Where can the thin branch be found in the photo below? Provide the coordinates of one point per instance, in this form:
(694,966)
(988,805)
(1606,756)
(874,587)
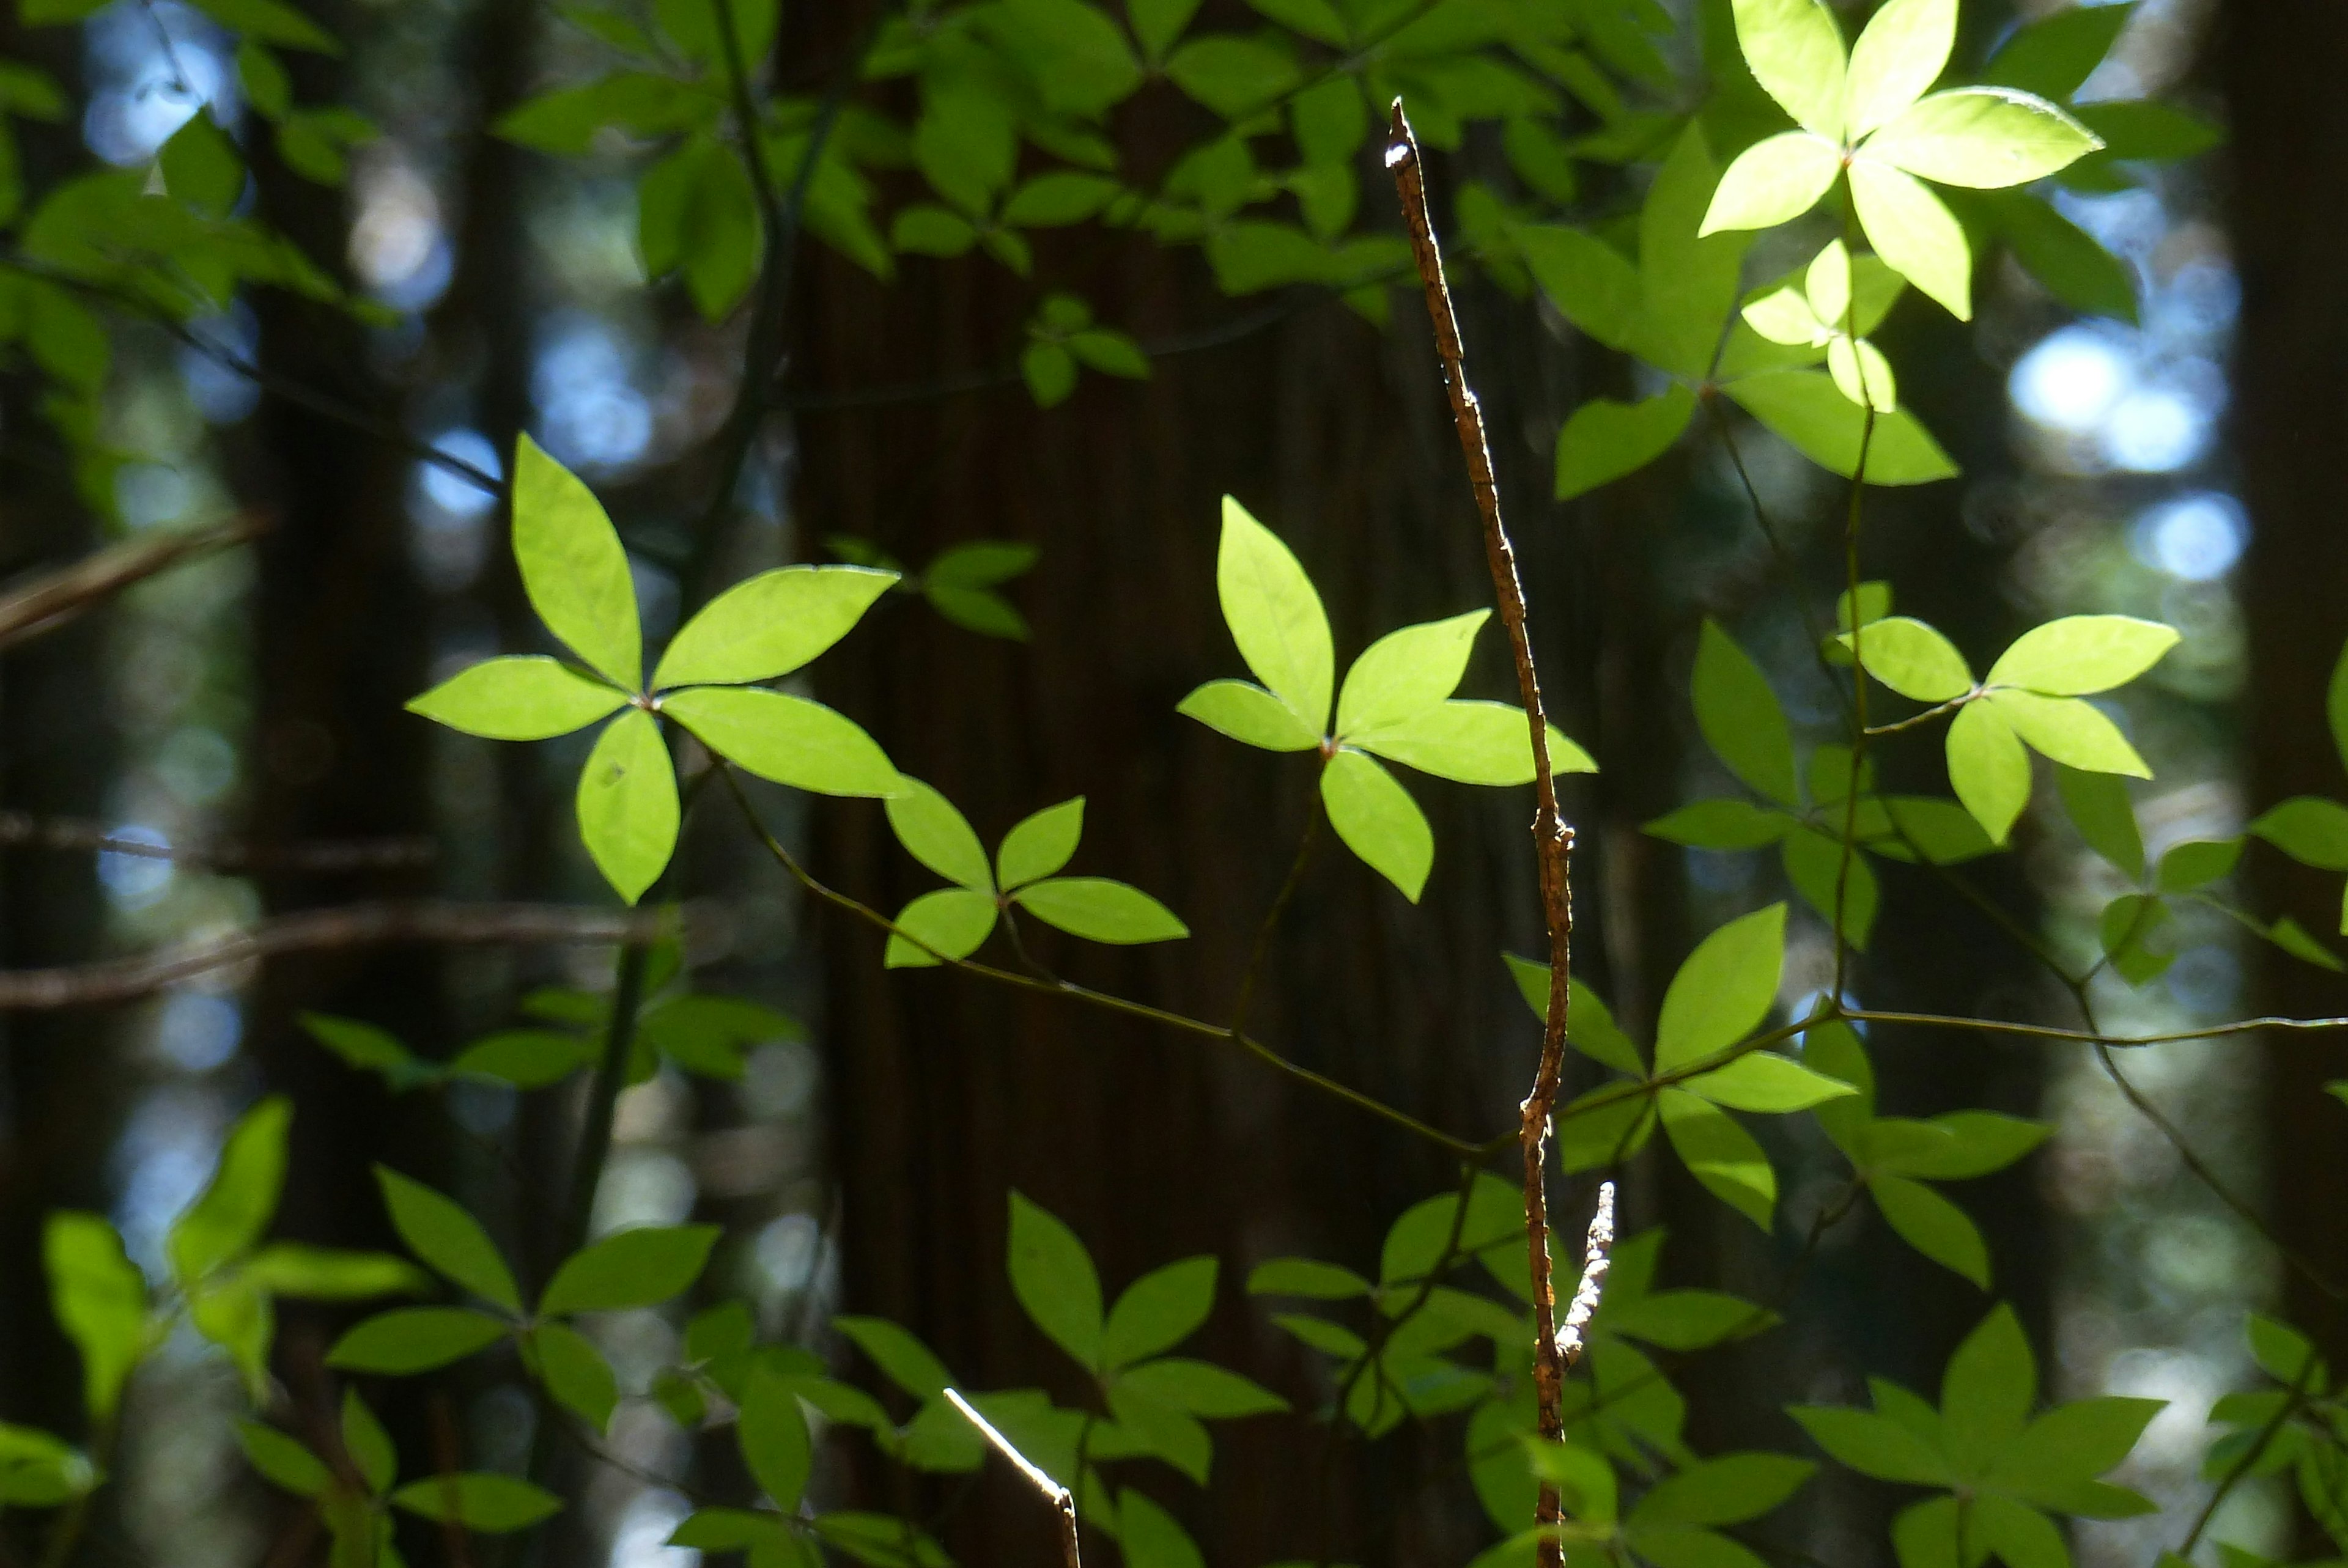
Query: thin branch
(1552,840)
(1262,950)
(1103,999)
(1859,732)
(43,603)
(1058,1496)
(347,926)
(21,830)
(2088,1036)
(2242,1468)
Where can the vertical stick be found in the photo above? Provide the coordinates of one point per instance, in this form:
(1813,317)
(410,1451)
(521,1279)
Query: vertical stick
(1552,839)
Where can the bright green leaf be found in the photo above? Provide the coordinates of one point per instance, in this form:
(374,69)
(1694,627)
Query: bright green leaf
(1406,672)
(572,566)
(233,1211)
(100,1300)
(1041,844)
(1275,616)
(1724,990)
(1796,53)
(1988,768)
(627,803)
(1809,412)
(520,699)
(787,739)
(1911,658)
(1720,1154)
(1604,439)
(936,832)
(1100,910)
(2072,731)
(2080,655)
(770,625)
(1248,714)
(1898,54)
(1773,181)
(1987,138)
(951,923)
(1763,1082)
(1378,820)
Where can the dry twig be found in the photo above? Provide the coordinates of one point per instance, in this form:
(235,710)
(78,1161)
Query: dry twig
(46,601)
(1552,840)
(1058,1496)
(346,926)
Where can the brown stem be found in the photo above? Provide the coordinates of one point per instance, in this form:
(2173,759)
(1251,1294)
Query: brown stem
(1552,840)
(346,926)
(43,603)
(22,830)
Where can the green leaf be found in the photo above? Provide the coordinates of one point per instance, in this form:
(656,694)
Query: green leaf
(936,834)
(367,1048)
(1840,890)
(1041,844)
(232,1211)
(572,566)
(1151,1537)
(2312,831)
(444,1234)
(1687,282)
(410,1339)
(1987,1389)
(1236,78)
(1100,910)
(907,1361)
(1765,1082)
(273,22)
(1910,658)
(1809,412)
(627,804)
(525,1058)
(1873,1445)
(642,1267)
(2072,1443)
(2053,56)
(1898,54)
(1726,823)
(575,1372)
(2072,731)
(1729,1490)
(1053,1277)
(1976,1142)
(1059,198)
(2098,806)
(1406,672)
(2065,258)
(2083,654)
(774,1438)
(1932,1226)
(770,625)
(2336,705)
(1249,714)
(1796,53)
(282,1461)
(1050,372)
(1378,820)
(497,1504)
(1724,990)
(2190,866)
(1987,138)
(1720,1154)
(1988,769)
(240,1318)
(100,1300)
(367,1444)
(1740,718)
(879,1540)
(1912,232)
(1158,1311)
(1588,281)
(1685,1319)
(1307,1277)
(952,922)
(1202,1390)
(1474,742)
(1927,1535)
(1275,616)
(1773,181)
(1604,439)
(330,1273)
(737,1530)
(787,739)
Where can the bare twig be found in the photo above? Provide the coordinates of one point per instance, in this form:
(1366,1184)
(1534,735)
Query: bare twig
(22,830)
(1596,1256)
(45,602)
(1058,1496)
(1552,840)
(347,926)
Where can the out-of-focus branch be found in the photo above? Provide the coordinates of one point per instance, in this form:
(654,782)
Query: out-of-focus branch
(21,830)
(347,926)
(45,602)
